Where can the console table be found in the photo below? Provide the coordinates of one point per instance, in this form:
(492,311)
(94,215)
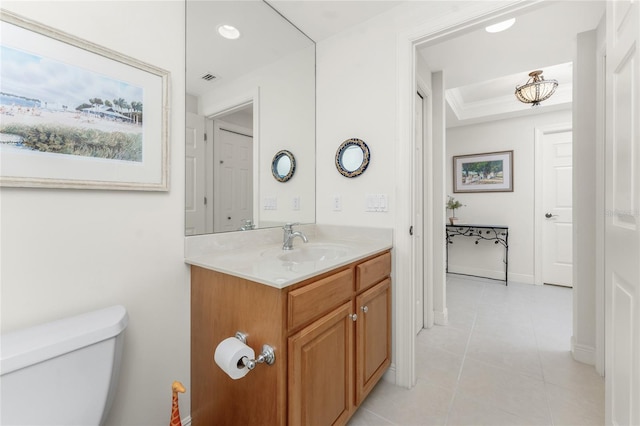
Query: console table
(485,233)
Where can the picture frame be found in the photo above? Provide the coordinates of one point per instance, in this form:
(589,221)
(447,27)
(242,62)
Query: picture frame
(486,172)
(77,115)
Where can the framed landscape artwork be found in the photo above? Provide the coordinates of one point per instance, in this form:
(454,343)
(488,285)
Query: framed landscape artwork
(489,172)
(77,115)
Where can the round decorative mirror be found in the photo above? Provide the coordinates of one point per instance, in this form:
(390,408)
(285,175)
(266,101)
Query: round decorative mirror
(283,165)
(352,158)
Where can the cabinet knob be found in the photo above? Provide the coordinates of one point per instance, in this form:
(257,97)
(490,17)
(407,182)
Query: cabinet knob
(353,317)
(365,309)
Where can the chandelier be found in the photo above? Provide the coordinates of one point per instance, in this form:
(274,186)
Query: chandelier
(536,89)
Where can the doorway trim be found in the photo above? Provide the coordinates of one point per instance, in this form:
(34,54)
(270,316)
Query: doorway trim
(219,127)
(426,227)
(540,133)
(430,32)
(228,106)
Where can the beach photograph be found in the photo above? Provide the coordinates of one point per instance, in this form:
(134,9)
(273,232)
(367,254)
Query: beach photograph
(47,106)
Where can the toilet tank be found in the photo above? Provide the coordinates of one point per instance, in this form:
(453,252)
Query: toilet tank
(63,372)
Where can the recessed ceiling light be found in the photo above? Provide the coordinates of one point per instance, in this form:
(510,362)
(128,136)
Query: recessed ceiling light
(500,26)
(228,31)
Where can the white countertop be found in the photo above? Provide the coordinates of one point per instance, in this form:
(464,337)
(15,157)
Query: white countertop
(256,255)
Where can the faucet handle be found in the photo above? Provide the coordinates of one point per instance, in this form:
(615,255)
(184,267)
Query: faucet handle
(289,226)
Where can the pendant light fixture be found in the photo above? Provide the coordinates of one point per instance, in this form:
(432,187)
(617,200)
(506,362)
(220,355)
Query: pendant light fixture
(536,89)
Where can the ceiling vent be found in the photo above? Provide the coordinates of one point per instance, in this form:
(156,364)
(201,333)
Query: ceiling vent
(208,77)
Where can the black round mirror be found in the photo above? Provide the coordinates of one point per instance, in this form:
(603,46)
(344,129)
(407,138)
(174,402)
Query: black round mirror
(283,165)
(352,157)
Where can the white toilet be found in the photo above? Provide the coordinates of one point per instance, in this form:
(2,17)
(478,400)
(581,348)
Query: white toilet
(63,372)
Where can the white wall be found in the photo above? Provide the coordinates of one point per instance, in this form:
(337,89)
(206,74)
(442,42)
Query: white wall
(191,103)
(513,209)
(65,252)
(584,197)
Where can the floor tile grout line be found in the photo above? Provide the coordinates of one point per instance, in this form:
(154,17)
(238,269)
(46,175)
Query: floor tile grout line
(464,357)
(381,417)
(532,314)
(500,367)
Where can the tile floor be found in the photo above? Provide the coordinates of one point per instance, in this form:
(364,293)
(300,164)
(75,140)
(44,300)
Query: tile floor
(503,360)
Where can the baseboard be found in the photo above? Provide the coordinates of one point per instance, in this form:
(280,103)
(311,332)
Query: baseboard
(390,375)
(441,317)
(186,421)
(521,278)
(491,273)
(583,353)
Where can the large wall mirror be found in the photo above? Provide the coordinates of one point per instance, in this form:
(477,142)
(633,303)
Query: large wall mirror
(247,98)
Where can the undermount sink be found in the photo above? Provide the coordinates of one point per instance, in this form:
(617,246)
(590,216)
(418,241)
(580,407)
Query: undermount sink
(309,253)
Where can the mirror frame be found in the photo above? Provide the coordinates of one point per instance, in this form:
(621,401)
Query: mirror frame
(274,165)
(366,157)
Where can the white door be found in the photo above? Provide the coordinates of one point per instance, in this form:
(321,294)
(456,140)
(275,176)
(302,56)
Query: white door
(418,214)
(233,176)
(557,227)
(195,205)
(622,218)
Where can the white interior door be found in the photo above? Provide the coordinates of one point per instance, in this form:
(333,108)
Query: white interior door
(195,205)
(622,221)
(557,227)
(233,176)
(418,242)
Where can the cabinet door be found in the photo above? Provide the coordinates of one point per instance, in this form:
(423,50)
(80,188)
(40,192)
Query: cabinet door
(373,335)
(321,370)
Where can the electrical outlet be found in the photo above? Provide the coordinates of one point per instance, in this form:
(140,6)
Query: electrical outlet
(337,203)
(296,203)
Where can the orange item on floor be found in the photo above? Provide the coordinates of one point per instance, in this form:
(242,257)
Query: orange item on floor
(175,409)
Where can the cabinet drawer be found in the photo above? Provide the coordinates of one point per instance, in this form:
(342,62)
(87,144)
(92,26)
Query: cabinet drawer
(311,301)
(373,271)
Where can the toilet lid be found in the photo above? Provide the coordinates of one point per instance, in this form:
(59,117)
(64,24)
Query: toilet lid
(41,342)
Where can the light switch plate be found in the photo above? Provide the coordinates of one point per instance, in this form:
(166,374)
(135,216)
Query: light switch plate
(270,203)
(376,203)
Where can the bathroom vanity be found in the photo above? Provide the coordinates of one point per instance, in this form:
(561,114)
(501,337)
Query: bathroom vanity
(325,307)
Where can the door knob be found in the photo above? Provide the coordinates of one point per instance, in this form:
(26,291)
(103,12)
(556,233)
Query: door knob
(549,215)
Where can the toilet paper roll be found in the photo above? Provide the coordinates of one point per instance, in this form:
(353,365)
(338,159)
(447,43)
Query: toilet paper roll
(229,354)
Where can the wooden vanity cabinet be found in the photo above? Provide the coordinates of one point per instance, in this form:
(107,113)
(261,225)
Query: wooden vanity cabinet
(373,346)
(332,339)
(321,370)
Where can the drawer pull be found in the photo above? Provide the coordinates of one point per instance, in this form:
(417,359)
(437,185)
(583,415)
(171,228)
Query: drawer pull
(353,317)
(365,309)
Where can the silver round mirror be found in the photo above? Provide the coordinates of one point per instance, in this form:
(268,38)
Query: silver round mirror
(283,165)
(352,157)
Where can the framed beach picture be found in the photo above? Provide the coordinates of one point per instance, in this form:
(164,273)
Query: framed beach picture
(489,172)
(77,115)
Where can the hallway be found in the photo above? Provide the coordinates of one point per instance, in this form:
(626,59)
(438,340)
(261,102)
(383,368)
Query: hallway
(503,360)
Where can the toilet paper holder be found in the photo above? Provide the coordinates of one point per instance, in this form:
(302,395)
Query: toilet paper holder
(267,356)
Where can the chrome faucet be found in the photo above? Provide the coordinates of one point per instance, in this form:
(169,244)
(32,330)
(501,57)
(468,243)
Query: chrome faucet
(290,234)
(247,224)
